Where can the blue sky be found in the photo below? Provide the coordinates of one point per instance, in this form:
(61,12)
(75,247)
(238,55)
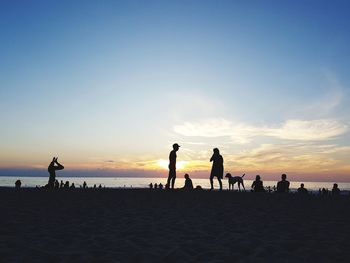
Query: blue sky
(112,84)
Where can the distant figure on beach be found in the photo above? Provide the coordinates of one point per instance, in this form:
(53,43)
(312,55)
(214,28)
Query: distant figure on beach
(61,184)
(172,167)
(324,191)
(302,190)
(84,185)
(188,183)
(155,186)
(150,186)
(66,185)
(335,190)
(72,186)
(52,171)
(160,186)
(283,185)
(18,184)
(257,185)
(217,169)
(100,186)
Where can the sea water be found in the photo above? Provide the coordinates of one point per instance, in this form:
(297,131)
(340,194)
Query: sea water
(127,182)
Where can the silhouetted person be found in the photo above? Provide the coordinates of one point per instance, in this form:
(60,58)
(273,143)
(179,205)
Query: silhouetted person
(84,185)
(302,190)
(324,191)
(66,185)
(335,190)
(18,184)
(188,183)
(95,186)
(283,185)
(100,186)
(72,186)
(150,186)
(217,169)
(61,184)
(172,167)
(53,167)
(57,184)
(155,186)
(160,186)
(257,185)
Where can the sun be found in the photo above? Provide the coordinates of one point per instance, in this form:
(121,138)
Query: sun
(164,164)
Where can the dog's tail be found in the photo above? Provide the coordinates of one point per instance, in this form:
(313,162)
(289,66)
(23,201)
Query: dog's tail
(243,175)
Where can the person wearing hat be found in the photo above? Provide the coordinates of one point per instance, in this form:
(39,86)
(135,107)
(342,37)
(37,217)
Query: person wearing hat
(217,169)
(172,166)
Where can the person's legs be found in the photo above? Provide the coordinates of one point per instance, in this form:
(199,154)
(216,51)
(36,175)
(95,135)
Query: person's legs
(173,180)
(220,183)
(211,182)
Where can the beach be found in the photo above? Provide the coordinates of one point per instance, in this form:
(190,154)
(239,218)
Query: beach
(143,225)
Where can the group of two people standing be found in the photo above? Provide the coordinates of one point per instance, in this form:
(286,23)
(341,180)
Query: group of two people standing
(217,169)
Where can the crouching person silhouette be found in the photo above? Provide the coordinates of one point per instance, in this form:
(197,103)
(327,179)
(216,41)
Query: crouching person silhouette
(53,167)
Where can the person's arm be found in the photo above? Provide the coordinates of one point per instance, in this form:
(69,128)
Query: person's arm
(59,166)
(212,158)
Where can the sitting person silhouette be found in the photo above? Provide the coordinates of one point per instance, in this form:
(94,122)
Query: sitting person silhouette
(335,190)
(84,185)
(52,171)
(302,189)
(283,185)
(257,185)
(188,183)
(57,184)
(160,186)
(18,184)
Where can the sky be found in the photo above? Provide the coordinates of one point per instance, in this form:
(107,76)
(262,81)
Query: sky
(109,86)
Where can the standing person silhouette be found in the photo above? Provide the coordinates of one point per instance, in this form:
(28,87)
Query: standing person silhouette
(172,166)
(217,169)
(52,171)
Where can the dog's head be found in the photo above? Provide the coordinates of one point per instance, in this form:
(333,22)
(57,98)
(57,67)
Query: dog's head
(228,175)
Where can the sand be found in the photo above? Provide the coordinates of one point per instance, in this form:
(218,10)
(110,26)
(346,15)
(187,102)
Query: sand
(112,225)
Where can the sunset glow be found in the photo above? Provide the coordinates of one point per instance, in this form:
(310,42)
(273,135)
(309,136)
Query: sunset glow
(109,87)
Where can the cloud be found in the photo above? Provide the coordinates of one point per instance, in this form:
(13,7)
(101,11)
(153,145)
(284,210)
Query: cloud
(299,130)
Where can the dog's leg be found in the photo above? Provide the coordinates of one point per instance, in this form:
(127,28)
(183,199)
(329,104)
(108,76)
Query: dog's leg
(243,186)
(239,186)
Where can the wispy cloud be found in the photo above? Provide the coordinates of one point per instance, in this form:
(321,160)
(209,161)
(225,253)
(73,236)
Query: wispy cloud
(299,130)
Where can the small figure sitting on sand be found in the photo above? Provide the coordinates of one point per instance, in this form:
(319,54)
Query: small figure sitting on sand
(150,186)
(66,185)
(283,186)
(335,190)
(324,191)
(84,185)
(18,184)
(188,183)
(257,185)
(160,186)
(302,190)
(100,186)
(72,186)
(52,171)
(217,169)
(155,186)
(61,184)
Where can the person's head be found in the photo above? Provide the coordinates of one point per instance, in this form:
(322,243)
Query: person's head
(257,178)
(335,185)
(176,146)
(284,177)
(302,185)
(216,151)
(187,176)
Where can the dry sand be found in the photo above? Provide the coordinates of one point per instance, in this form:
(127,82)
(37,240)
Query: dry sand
(161,226)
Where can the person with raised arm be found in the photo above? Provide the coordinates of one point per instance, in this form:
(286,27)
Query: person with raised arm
(53,167)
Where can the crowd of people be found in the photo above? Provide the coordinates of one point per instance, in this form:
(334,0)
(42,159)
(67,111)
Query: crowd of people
(217,171)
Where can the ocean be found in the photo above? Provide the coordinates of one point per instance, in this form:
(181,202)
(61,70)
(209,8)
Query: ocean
(127,182)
